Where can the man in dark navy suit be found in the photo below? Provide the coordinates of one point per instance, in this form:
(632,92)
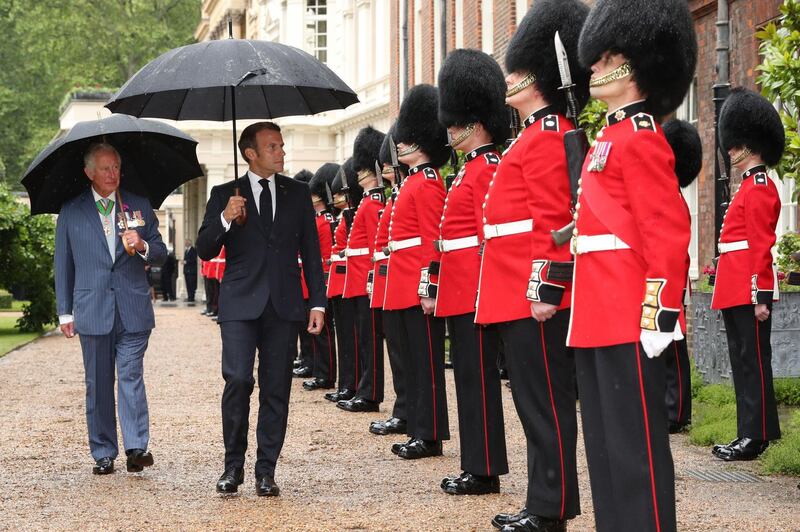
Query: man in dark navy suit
(261,300)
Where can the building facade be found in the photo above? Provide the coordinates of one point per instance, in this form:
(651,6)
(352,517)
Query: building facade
(423,31)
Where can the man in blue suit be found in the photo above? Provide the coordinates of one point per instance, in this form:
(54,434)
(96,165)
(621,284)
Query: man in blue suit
(261,300)
(103,296)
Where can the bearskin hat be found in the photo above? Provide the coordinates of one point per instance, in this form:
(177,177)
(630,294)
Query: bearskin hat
(417,124)
(748,119)
(366,148)
(472,88)
(304,176)
(384,156)
(656,36)
(325,174)
(351,176)
(685,142)
(532,49)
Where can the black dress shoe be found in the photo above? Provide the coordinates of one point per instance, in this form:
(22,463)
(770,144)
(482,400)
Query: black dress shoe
(501,520)
(303,372)
(138,459)
(744,449)
(676,428)
(451,478)
(535,523)
(317,384)
(358,404)
(719,446)
(341,395)
(469,484)
(504,374)
(396,447)
(392,425)
(230,480)
(103,466)
(421,449)
(296,363)
(266,487)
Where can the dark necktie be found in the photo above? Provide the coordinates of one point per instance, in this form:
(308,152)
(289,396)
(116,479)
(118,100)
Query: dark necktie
(265,205)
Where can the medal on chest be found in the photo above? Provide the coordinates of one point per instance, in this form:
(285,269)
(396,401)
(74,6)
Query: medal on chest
(133,220)
(107,225)
(599,157)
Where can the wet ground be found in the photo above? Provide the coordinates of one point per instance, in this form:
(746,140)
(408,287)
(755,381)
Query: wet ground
(333,474)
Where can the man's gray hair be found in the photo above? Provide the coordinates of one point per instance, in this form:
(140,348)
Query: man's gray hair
(94,149)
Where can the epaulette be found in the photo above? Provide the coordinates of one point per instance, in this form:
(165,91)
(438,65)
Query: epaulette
(643,121)
(760,179)
(492,158)
(430,173)
(329,217)
(550,123)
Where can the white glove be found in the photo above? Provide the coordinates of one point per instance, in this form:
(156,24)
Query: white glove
(655,342)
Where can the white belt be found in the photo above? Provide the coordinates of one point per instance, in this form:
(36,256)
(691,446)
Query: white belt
(356,252)
(397,245)
(455,244)
(336,258)
(590,243)
(510,228)
(727,247)
(379,255)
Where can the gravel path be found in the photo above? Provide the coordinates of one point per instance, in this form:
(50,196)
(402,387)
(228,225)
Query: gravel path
(333,474)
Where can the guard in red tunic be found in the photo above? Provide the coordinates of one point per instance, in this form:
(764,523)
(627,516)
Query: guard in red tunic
(472,107)
(630,241)
(416,212)
(376,288)
(687,148)
(324,344)
(745,286)
(304,363)
(528,198)
(360,247)
(343,309)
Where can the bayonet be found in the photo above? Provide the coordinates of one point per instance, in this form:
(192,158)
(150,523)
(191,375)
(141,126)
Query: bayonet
(723,176)
(379,175)
(329,194)
(566,80)
(398,176)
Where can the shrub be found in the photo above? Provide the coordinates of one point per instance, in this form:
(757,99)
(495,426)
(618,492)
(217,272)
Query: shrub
(783,456)
(787,391)
(5,299)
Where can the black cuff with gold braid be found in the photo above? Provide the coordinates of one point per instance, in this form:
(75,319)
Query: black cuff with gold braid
(655,316)
(758,296)
(539,290)
(427,287)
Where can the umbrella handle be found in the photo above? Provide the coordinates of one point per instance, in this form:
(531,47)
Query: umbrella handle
(242,218)
(128,249)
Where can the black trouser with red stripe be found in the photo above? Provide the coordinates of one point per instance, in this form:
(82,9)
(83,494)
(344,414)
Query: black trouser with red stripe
(473,350)
(751,364)
(541,370)
(427,397)
(369,327)
(325,348)
(344,315)
(626,437)
(397,345)
(678,396)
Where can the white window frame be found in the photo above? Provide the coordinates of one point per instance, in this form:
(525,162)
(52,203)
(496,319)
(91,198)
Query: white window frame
(688,111)
(487,26)
(312,22)
(459,23)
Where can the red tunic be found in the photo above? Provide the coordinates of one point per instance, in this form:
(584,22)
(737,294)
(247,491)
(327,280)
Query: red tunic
(463,217)
(338,265)
(415,214)
(380,267)
(531,183)
(218,265)
(746,276)
(362,240)
(629,189)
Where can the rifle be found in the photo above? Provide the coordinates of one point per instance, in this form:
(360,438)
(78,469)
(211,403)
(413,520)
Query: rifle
(514,125)
(576,144)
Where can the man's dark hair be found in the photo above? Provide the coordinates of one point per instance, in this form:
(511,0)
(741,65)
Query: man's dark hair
(248,138)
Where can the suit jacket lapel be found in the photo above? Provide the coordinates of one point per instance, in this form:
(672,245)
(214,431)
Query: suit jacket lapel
(120,249)
(93,218)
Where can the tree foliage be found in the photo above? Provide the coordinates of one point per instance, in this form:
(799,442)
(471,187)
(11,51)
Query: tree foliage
(26,260)
(51,46)
(780,81)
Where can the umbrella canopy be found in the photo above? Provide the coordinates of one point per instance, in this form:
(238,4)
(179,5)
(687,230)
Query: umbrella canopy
(194,83)
(156,159)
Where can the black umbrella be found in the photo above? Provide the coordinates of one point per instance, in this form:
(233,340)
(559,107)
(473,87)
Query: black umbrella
(156,159)
(231,79)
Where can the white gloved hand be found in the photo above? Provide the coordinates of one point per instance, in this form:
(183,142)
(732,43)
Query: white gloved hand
(655,342)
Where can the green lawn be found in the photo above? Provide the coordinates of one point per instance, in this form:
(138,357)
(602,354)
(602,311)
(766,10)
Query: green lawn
(10,337)
(16,306)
